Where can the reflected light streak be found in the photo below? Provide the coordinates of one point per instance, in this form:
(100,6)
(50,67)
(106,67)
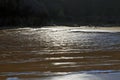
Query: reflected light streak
(64,63)
(59,58)
(77,77)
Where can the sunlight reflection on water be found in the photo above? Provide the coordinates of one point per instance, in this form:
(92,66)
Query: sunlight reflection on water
(58,51)
(84,76)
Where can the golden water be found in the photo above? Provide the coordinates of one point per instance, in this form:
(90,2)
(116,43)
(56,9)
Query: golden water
(59,52)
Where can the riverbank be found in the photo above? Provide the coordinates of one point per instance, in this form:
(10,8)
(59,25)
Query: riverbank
(114,29)
(86,28)
(96,28)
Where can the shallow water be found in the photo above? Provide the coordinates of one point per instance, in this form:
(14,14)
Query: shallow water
(59,53)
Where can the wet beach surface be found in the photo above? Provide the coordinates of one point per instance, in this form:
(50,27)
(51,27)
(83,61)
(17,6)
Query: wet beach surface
(59,53)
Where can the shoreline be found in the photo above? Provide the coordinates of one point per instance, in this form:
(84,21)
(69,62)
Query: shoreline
(80,28)
(101,29)
(85,28)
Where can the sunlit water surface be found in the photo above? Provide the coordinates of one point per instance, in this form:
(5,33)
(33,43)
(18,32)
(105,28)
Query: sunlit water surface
(59,53)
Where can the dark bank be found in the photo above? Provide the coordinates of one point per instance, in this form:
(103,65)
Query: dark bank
(59,12)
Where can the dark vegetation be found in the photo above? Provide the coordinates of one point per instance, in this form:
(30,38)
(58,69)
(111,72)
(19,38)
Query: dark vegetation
(59,12)
(22,13)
